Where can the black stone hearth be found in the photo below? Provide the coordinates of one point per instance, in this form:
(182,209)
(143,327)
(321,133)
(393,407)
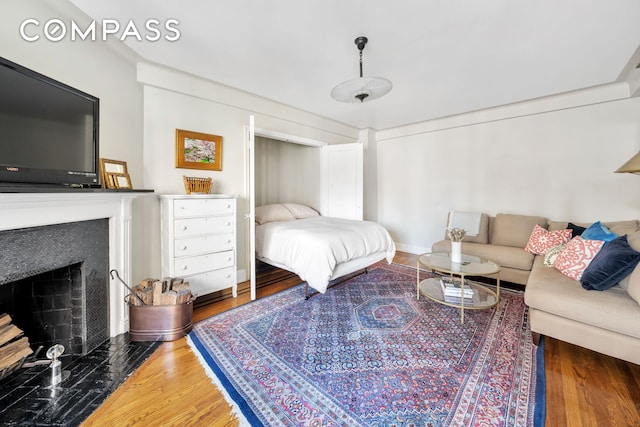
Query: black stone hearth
(28,399)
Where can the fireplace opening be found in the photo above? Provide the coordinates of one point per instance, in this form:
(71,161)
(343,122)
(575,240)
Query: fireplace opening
(54,283)
(47,307)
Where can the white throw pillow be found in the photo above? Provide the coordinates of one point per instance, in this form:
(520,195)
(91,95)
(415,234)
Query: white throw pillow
(301,211)
(270,213)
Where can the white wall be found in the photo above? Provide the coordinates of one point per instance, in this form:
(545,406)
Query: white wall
(556,161)
(104,69)
(173,99)
(287,172)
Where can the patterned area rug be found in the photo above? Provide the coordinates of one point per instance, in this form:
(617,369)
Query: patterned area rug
(368,353)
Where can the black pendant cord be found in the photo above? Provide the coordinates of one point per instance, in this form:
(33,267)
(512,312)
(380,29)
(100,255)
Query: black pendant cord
(361,42)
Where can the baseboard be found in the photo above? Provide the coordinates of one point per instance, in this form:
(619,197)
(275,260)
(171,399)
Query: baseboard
(412,249)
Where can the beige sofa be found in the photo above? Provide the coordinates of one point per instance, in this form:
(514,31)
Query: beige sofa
(501,239)
(604,321)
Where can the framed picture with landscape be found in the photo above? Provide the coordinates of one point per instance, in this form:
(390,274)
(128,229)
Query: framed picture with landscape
(195,150)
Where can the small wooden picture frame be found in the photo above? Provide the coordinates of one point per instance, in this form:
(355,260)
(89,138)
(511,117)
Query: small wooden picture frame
(120,180)
(195,150)
(114,174)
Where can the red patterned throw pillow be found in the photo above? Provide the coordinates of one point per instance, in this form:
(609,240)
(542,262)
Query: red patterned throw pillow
(576,256)
(541,239)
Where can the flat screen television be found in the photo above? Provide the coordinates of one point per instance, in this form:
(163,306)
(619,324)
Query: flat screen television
(48,131)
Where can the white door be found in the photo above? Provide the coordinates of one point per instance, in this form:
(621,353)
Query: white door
(342,176)
(250,138)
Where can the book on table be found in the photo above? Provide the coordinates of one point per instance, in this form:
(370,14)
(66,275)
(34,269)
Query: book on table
(458,300)
(452,286)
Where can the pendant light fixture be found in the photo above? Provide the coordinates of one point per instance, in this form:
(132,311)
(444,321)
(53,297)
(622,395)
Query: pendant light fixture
(363,88)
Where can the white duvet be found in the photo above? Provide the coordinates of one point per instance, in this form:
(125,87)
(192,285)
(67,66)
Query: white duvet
(312,247)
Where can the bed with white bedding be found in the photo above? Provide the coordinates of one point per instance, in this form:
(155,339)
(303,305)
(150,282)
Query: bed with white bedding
(318,249)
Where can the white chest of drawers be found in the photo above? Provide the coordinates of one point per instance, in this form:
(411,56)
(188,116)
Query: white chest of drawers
(198,241)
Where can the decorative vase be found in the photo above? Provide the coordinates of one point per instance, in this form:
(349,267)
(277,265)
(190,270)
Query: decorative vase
(456,252)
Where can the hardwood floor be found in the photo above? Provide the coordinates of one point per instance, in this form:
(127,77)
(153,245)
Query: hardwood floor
(584,388)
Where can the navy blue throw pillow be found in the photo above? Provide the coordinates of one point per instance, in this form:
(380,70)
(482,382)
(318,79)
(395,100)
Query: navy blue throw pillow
(576,230)
(615,261)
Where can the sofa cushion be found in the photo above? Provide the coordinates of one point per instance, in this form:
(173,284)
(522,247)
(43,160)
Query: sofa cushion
(550,291)
(541,239)
(514,230)
(483,235)
(576,256)
(618,227)
(623,227)
(557,225)
(598,231)
(614,262)
(634,242)
(505,256)
(633,284)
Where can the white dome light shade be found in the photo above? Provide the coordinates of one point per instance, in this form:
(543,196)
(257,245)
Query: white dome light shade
(361,89)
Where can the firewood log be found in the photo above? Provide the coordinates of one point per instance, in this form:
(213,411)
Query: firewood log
(183,296)
(14,351)
(9,332)
(5,319)
(157,292)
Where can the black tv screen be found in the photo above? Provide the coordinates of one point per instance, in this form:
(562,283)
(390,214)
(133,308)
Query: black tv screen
(48,130)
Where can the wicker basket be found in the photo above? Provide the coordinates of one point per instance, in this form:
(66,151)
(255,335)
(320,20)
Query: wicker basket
(197,185)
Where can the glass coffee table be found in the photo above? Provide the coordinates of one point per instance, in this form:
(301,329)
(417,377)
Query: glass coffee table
(482,296)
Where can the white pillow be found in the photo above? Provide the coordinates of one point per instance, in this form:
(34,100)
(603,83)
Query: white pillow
(301,211)
(270,213)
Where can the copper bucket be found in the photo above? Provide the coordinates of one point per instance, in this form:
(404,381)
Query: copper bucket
(160,322)
(156,322)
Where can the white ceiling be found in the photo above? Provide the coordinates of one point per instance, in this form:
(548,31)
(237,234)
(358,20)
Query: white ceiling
(444,57)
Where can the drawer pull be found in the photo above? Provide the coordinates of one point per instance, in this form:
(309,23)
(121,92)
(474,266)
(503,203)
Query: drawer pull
(228,276)
(184,247)
(228,206)
(229,259)
(184,267)
(184,227)
(228,223)
(228,240)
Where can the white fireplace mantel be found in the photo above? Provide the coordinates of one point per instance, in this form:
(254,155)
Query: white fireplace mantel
(24,210)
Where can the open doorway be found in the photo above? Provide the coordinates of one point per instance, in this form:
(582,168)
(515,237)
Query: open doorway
(285,168)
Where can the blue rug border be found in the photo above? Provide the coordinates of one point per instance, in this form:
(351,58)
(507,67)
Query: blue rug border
(540,410)
(246,410)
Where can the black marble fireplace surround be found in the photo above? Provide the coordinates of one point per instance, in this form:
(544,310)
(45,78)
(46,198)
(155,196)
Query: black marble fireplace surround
(54,284)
